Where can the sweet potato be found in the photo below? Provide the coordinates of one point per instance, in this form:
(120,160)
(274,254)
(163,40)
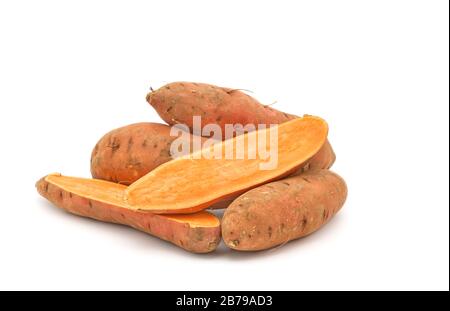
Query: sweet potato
(170,188)
(281,211)
(178,102)
(126,154)
(101,200)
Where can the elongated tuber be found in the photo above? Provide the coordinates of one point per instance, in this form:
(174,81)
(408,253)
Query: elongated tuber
(281,211)
(179,102)
(101,200)
(171,188)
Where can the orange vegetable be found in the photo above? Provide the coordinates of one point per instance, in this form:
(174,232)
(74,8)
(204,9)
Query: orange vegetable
(281,211)
(101,200)
(188,184)
(179,102)
(126,154)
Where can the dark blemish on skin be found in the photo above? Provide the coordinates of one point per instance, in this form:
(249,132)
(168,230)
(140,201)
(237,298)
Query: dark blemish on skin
(286,183)
(168,109)
(269,230)
(90,204)
(164,151)
(249,236)
(149,226)
(235,243)
(155,145)
(114,145)
(46,187)
(219,118)
(60,195)
(304,222)
(306,179)
(196,84)
(123,216)
(282,226)
(167,87)
(324,215)
(144,143)
(286,115)
(70,195)
(130,143)
(181,242)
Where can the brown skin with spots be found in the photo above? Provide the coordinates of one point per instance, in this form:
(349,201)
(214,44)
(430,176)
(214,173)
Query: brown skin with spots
(176,229)
(126,154)
(178,102)
(278,212)
(324,159)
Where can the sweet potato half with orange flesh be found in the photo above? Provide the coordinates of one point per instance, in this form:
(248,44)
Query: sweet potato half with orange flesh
(192,183)
(102,200)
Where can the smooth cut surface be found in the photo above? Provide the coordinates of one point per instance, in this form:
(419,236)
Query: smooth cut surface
(188,184)
(113,194)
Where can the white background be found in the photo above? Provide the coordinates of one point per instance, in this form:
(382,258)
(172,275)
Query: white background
(377,71)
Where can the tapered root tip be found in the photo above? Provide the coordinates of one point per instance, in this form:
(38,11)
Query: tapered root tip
(148,97)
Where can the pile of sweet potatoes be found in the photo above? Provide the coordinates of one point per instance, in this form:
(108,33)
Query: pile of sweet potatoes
(271,211)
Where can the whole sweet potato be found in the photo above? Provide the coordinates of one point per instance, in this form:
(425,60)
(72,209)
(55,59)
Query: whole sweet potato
(179,102)
(281,211)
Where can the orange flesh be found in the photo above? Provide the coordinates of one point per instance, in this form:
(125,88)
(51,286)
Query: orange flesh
(187,184)
(113,194)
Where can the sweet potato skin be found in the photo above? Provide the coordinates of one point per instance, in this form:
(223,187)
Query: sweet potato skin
(126,154)
(324,159)
(193,239)
(178,102)
(278,212)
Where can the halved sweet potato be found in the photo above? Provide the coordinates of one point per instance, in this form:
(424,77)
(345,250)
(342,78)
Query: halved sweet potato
(102,200)
(171,188)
